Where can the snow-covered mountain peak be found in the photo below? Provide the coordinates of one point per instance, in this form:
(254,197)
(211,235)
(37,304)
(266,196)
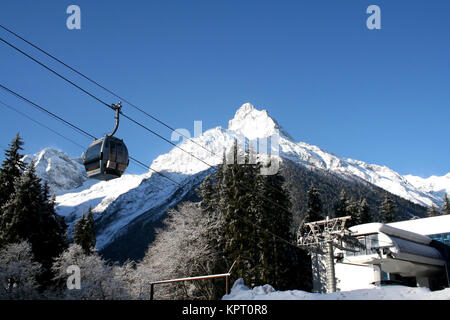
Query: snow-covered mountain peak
(246,108)
(124,204)
(437,185)
(254,123)
(57,169)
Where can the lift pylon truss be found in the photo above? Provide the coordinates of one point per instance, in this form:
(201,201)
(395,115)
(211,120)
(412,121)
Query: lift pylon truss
(313,235)
(322,237)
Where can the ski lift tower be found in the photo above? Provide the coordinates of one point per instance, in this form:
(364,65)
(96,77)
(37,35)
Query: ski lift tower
(322,237)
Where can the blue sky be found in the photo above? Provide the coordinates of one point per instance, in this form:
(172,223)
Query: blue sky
(380,96)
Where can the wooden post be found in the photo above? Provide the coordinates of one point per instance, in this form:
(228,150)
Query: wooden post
(152,288)
(227,279)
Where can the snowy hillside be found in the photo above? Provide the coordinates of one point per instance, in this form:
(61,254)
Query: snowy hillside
(434,185)
(61,172)
(240,292)
(97,195)
(254,124)
(135,200)
(118,202)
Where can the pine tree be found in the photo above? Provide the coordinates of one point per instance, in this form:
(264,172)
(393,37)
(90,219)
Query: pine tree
(220,186)
(29,215)
(313,213)
(236,210)
(314,209)
(352,210)
(281,264)
(78,233)
(27,211)
(253,222)
(84,232)
(52,237)
(340,209)
(363,212)
(21,213)
(12,168)
(206,192)
(445,206)
(433,211)
(357,210)
(387,210)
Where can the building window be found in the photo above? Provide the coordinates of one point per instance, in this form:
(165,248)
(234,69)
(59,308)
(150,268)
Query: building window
(441,237)
(384,276)
(371,244)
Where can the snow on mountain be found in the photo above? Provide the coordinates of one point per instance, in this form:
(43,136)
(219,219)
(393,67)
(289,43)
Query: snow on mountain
(58,169)
(393,182)
(435,185)
(66,178)
(96,194)
(253,123)
(119,203)
(116,203)
(256,124)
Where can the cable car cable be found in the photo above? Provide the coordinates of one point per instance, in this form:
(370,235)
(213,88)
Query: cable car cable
(54,72)
(99,100)
(167,140)
(46,111)
(109,106)
(109,91)
(139,162)
(57,133)
(102,87)
(95,97)
(41,124)
(78,129)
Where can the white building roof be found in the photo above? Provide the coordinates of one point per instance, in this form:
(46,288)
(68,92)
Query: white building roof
(405,246)
(425,226)
(409,253)
(369,228)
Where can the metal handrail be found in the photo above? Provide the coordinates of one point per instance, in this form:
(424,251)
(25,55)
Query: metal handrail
(211,276)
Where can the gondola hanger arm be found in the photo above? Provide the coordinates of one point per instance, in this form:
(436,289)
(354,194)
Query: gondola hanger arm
(118,108)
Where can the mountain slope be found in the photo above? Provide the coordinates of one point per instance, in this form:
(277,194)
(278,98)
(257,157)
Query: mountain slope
(435,185)
(61,172)
(253,124)
(128,209)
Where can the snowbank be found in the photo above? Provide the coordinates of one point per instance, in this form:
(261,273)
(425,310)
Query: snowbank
(240,292)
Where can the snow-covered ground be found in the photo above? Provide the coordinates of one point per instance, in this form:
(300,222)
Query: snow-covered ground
(240,292)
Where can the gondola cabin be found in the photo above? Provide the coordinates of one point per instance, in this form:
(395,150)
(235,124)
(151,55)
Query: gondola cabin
(106,158)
